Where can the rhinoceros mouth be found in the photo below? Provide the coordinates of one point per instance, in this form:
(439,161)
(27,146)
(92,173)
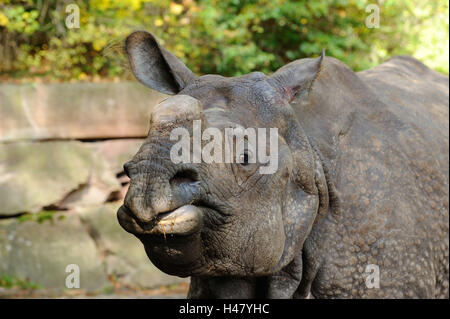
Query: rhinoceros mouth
(182,221)
(185,220)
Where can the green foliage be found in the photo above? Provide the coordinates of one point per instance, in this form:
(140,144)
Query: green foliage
(45,215)
(108,290)
(9,282)
(215,36)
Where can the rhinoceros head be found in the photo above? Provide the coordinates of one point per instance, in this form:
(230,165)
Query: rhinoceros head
(218,218)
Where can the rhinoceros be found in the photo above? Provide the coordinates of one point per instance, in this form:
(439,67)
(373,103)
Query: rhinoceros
(358,204)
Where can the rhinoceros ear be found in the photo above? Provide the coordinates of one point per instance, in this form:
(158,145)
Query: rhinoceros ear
(296,76)
(154,66)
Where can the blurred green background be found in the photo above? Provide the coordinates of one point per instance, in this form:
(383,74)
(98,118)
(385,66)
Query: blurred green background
(63,145)
(215,36)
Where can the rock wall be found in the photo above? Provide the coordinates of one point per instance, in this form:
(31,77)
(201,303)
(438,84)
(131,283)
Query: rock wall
(62,148)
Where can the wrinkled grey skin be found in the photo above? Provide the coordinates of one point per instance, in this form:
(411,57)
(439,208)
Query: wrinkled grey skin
(362,179)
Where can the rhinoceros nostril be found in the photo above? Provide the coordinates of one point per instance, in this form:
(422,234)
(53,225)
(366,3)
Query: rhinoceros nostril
(184,176)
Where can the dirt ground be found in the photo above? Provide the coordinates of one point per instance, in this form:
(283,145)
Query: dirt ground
(164,292)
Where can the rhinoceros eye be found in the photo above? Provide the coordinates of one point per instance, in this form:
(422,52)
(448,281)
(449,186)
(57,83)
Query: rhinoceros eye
(244,158)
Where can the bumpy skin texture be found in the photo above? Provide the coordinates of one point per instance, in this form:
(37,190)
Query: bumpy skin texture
(362,179)
(384,136)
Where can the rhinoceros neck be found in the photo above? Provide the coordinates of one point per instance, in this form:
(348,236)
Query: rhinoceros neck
(337,99)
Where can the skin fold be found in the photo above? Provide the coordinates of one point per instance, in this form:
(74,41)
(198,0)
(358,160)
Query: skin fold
(362,180)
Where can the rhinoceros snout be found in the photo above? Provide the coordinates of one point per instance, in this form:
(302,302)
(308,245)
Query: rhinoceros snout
(154,197)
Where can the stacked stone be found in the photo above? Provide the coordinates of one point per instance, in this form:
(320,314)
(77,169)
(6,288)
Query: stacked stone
(62,148)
